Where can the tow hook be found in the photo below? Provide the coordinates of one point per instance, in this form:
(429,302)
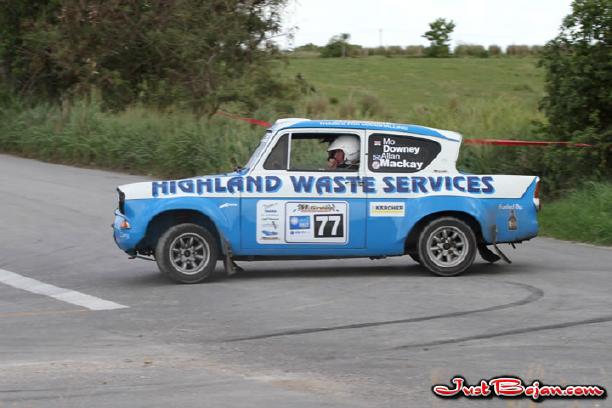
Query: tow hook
(141,257)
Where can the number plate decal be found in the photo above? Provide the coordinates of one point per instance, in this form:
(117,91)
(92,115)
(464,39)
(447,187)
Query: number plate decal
(316,222)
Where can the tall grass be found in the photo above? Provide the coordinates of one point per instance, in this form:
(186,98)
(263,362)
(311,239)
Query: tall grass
(137,140)
(584,215)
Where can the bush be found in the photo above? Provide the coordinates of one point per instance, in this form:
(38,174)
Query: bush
(338,46)
(310,47)
(316,106)
(347,109)
(394,50)
(470,50)
(494,51)
(414,51)
(371,106)
(518,51)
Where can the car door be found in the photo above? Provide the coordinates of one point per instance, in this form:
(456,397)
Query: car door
(316,210)
(397,163)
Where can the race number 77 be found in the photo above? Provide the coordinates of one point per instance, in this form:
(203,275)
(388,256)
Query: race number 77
(321,221)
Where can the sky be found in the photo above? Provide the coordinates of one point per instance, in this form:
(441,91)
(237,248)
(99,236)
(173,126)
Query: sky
(403,22)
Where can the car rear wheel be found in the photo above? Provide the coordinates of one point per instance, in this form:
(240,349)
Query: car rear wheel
(187,253)
(447,246)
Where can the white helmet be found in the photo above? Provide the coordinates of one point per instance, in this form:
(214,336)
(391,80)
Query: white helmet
(349,145)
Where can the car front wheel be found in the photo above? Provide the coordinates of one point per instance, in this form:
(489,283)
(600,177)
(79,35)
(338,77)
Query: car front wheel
(187,253)
(447,246)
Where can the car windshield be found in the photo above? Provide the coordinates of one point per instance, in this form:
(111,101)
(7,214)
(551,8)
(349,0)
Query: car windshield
(255,156)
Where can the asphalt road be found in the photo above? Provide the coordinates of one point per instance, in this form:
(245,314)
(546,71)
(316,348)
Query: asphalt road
(342,333)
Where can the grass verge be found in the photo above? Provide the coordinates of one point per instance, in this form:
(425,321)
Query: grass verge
(584,215)
(137,140)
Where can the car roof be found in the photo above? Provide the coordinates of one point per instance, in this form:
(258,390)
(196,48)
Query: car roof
(300,123)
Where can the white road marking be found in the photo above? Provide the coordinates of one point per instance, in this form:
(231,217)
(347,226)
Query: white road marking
(65,295)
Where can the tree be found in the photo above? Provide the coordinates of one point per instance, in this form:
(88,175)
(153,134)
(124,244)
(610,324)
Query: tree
(439,37)
(578,104)
(199,54)
(578,65)
(16,18)
(338,46)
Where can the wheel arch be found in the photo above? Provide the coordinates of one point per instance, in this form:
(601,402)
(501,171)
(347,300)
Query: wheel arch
(469,219)
(170,217)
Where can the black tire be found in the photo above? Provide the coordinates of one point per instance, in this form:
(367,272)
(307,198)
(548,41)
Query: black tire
(446,234)
(187,253)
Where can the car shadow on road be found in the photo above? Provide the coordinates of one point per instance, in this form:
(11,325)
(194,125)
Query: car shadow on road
(252,271)
(322,270)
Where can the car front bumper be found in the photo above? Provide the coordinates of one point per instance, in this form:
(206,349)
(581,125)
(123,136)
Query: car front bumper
(125,238)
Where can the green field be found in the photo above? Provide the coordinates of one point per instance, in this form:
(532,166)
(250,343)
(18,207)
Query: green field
(479,97)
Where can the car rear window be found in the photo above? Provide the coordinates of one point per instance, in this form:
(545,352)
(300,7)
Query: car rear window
(400,154)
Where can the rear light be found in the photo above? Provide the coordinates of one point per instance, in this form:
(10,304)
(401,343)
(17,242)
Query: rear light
(536,196)
(121,201)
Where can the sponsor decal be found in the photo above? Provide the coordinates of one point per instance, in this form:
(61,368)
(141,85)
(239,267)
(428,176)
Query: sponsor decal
(306,208)
(516,206)
(515,387)
(324,185)
(387,209)
(207,185)
(269,238)
(299,222)
(272,225)
(226,205)
(512,221)
(269,227)
(400,153)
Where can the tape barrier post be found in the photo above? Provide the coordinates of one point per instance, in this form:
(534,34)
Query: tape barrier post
(494,142)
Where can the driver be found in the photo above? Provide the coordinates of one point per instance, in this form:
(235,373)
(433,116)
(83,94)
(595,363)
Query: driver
(343,153)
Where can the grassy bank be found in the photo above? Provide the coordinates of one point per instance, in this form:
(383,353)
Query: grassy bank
(137,140)
(584,215)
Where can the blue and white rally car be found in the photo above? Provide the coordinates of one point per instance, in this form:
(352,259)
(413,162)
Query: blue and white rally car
(330,189)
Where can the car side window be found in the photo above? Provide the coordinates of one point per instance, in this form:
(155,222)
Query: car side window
(330,152)
(277,159)
(400,154)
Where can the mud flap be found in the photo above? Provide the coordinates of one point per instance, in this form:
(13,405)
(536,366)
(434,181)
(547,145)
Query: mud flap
(228,263)
(487,254)
(496,248)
